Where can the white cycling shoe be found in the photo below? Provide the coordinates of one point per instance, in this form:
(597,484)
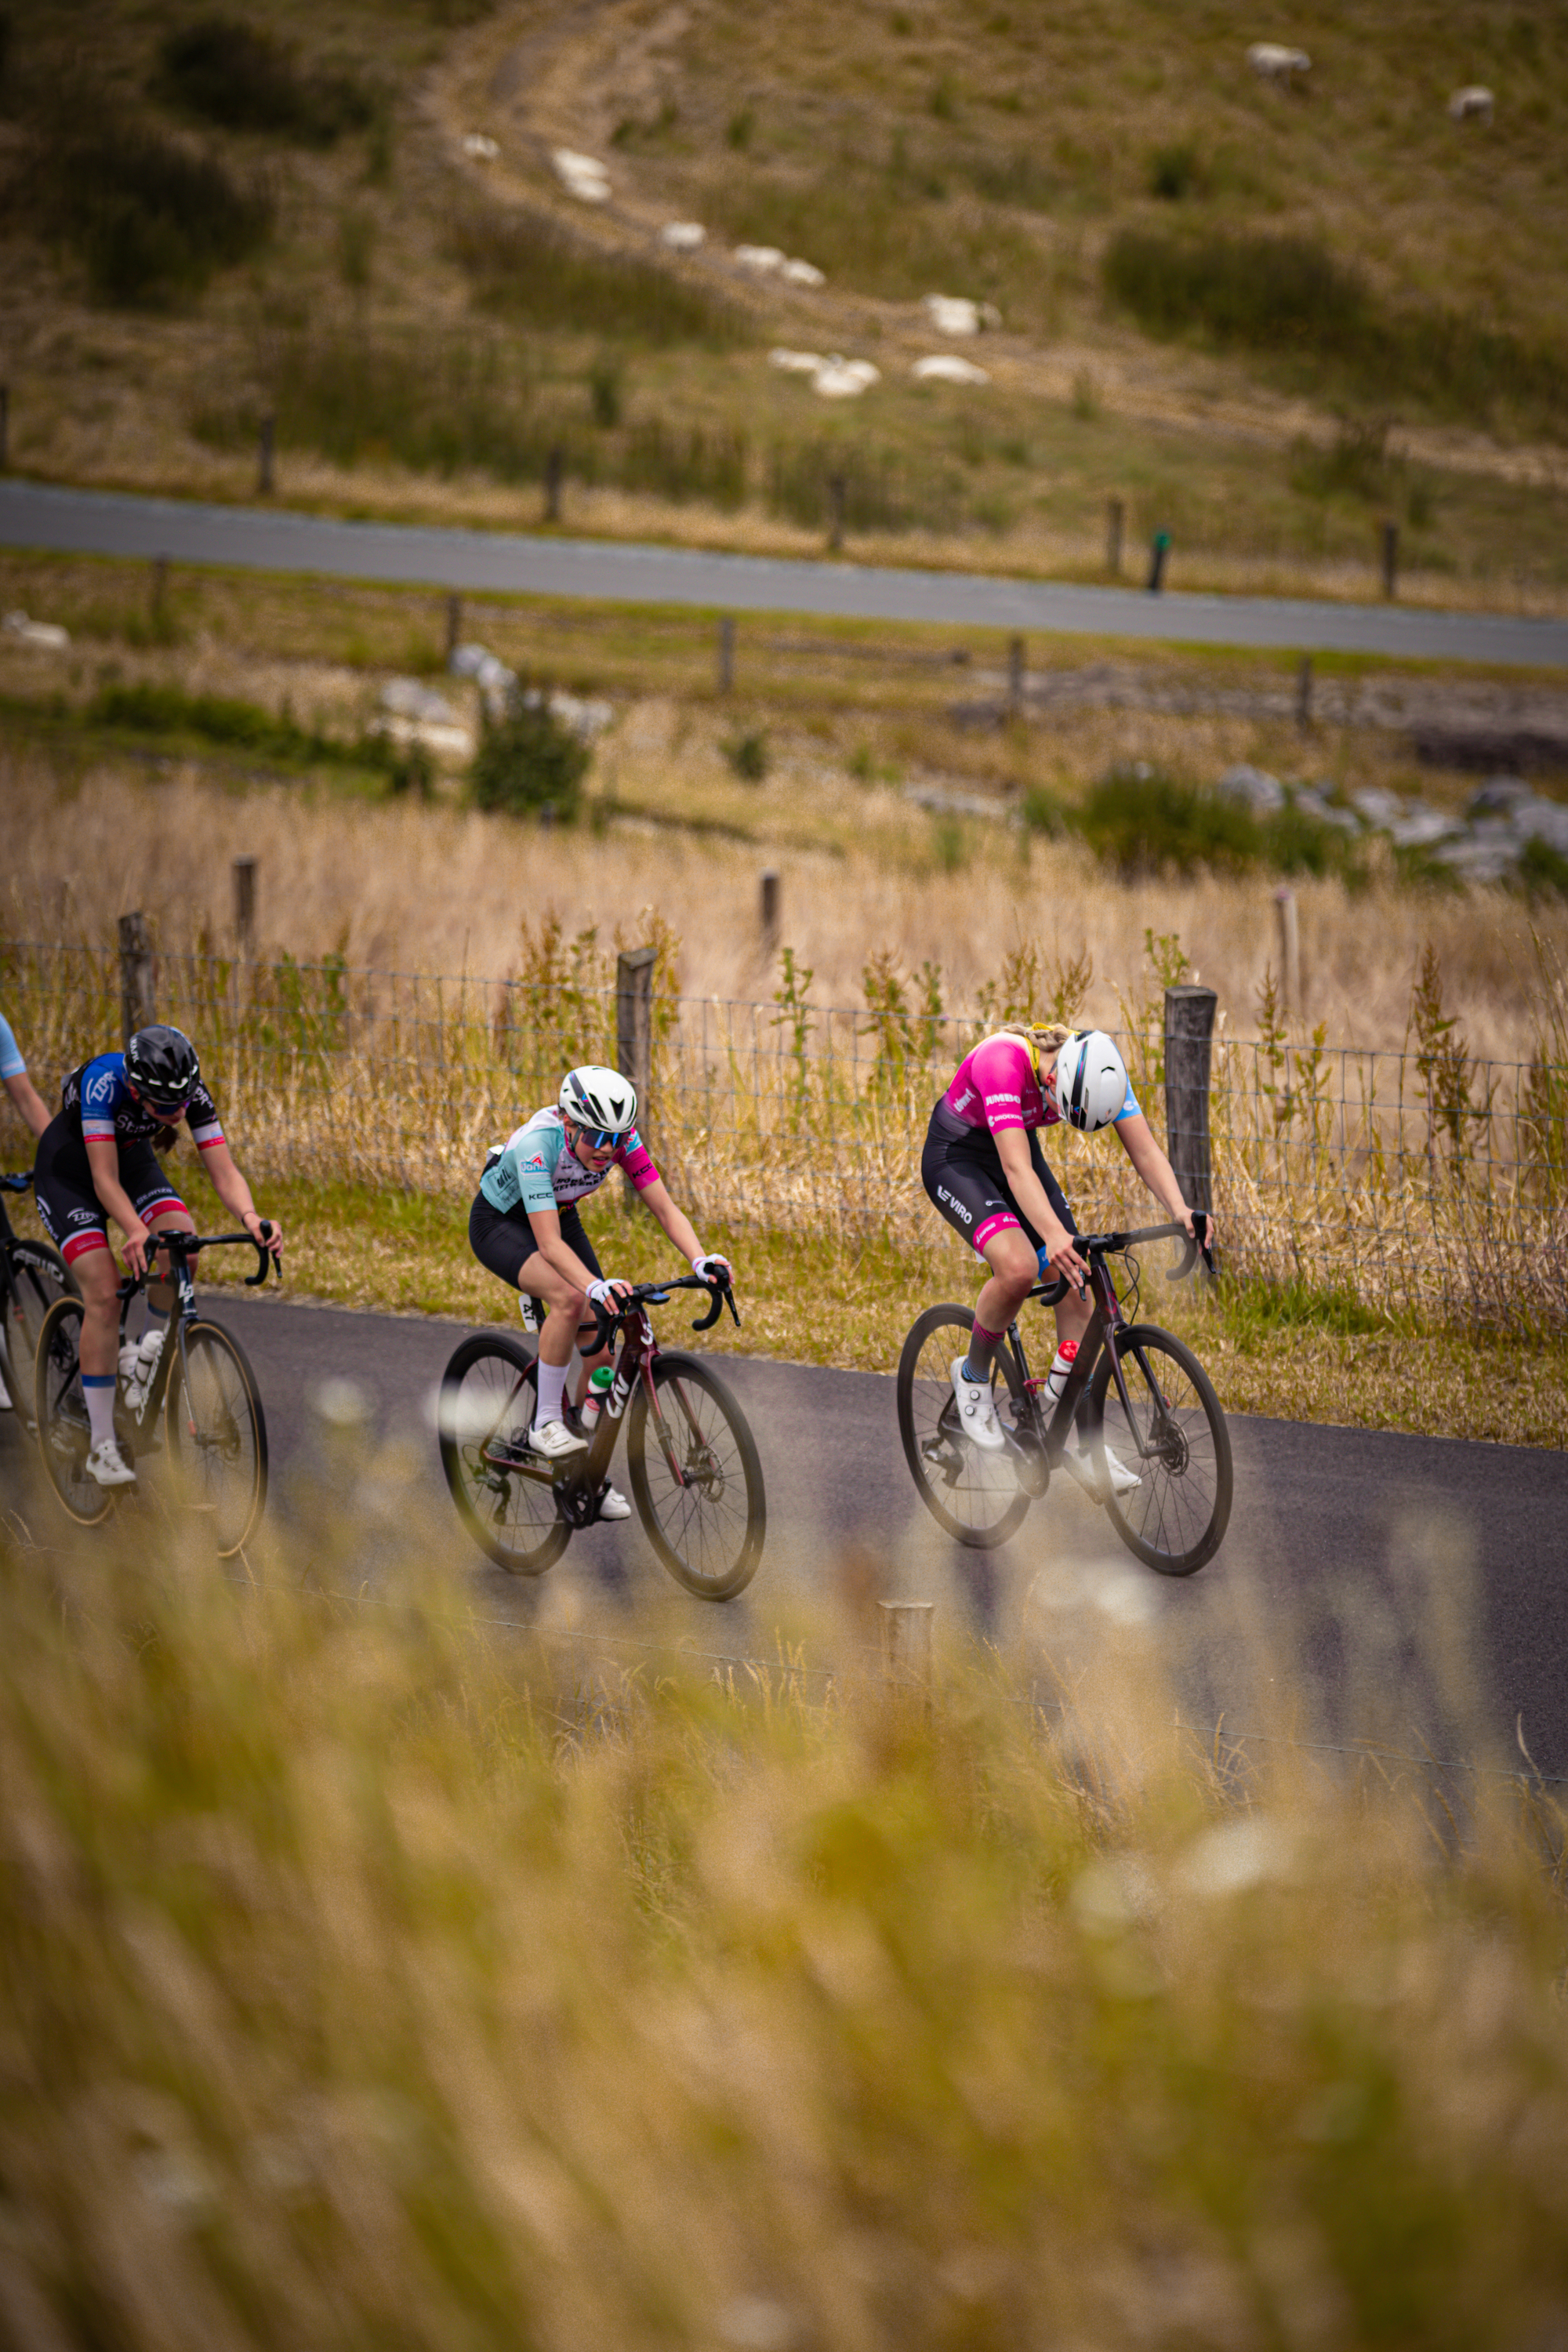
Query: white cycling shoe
(976,1409)
(555,1441)
(108,1465)
(1084,1468)
(613,1505)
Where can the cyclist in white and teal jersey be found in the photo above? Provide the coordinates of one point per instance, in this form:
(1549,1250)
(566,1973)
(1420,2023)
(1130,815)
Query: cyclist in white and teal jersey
(18,1084)
(526,1228)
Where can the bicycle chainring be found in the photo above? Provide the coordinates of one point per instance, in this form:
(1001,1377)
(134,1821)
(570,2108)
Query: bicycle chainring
(577,1502)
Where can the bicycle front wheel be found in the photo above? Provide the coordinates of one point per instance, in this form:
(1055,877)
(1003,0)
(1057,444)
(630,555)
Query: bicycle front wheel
(60,1407)
(1175,1440)
(974,1496)
(39,1275)
(217,1433)
(486,1412)
(697,1478)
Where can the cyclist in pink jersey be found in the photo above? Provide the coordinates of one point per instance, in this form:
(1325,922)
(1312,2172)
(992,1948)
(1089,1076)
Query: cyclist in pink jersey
(984,1171)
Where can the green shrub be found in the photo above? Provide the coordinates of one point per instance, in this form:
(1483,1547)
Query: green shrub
(242,77)
(1289,294)
(607,390)
(1177,171)
(691,465)
(528,763)
(436,405)
(881,491)
(151,218)
(1355,465)
(747,753)
(1141,821)
(1543,869)
(226,721)
(533,270)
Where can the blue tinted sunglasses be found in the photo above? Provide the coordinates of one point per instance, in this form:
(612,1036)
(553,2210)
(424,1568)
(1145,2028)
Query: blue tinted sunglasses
(599,1139)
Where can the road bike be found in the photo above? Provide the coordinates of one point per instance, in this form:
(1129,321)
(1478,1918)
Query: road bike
(696,1476)
(32,1277)
(1145,1396)
(202,1404)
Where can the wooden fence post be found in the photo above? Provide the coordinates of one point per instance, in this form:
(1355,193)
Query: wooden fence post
(1189,1038)
(160,590)
(265,444)
(454,624)
(1304,693)
(137,997)
(726,653)
(1390,561)
(555,467)
(633,1021)
(1016,675)
(5,426)
(906,1646)
(1290,947)
(1115,516)
(835,502)
(244,905)
(769,910)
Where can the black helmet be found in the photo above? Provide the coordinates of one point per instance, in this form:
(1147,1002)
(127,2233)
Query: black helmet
(161,1062)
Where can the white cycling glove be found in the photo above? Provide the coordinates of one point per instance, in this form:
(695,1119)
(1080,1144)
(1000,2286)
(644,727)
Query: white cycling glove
(711,1269)
(603,1293)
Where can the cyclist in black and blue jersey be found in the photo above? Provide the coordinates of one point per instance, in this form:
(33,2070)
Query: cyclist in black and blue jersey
(97,1159)
(525,1226)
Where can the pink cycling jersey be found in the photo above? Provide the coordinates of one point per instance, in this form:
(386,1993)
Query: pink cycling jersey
(996,1086)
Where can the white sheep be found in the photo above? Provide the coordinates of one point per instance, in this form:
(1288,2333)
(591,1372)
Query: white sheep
(762,260)
(582,176)
(951,314)
(1472,104)
(795,363)
(946,367)
(840,379)
(47,637)
(803,273)
(1273,62)
(683,237)
(482,149)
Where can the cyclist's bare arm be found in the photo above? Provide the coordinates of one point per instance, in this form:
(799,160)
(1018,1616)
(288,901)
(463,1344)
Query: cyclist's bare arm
(28,1101)
(1137,1138)
(234,1194)
(558,1255)
(103,1158)
(1029,1193)
(675,1223)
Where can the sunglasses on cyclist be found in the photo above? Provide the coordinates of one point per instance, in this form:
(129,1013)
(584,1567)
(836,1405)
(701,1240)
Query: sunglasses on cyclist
(602,1138)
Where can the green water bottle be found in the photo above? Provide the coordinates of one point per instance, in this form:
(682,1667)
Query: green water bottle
(600,1382)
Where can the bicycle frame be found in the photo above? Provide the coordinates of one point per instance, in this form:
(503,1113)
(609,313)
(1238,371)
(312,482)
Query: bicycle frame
(579,1478)
(179,1302)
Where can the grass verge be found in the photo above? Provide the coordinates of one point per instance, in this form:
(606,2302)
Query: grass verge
(1294,1354)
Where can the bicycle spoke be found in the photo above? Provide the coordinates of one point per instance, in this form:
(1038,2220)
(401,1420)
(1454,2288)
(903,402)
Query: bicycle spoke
(1172,1434)
(506,1497)
(974,1495)
(697,1479)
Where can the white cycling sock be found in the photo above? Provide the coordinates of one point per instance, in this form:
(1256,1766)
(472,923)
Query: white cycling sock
(552,1384)
(98,1391)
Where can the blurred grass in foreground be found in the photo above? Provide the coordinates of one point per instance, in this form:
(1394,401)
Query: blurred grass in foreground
(369,1981)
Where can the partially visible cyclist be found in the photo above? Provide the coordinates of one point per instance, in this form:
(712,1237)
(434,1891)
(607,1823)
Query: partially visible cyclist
(983,1169)
(97,1160)
(18,1084)
(31,1105)
(526,1228)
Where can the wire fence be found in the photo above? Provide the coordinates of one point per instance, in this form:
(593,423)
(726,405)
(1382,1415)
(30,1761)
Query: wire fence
(1414,1181)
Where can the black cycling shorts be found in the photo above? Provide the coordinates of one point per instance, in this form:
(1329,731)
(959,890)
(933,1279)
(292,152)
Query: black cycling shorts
(503,1239)
(962,1169)
(69,1207)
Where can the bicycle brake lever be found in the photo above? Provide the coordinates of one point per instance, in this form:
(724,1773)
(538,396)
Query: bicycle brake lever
(730,1302)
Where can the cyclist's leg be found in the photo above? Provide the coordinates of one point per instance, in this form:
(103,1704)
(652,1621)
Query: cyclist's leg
(162,1210)
(1076,1311)
(73,1216)
(961,1172)
(504,1244)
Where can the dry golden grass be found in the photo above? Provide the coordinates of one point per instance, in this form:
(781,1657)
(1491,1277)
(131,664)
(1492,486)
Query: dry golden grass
(443,889)
(372,1978)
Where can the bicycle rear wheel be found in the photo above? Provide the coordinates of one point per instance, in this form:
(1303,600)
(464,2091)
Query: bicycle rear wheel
(975,1497)
(38,1276)
(697,1478)
(1177,1440)
(486,1412)
(217,1433)
(60,1407)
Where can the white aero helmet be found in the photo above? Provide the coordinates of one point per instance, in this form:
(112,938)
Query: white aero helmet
(1091,1080)
(599,1099)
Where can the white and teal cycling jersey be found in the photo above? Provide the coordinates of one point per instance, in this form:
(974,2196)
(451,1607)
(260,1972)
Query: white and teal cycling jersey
(12,1066)
(537,1168)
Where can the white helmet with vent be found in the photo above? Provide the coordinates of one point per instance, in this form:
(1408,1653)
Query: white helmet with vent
(596,1097)
(1091,1080)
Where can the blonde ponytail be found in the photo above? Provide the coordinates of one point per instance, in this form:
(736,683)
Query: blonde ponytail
(1041,1036)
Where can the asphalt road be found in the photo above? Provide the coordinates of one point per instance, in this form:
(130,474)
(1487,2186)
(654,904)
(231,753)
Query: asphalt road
(1407,1590)
(257,539)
